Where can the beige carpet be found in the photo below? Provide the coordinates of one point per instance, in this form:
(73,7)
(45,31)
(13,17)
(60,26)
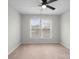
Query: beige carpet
(40,51)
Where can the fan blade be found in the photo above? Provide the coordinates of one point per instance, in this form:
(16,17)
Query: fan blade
(50,1)
(50,7)
(44,1)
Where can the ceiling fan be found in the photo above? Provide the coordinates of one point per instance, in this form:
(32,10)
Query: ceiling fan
(45,3)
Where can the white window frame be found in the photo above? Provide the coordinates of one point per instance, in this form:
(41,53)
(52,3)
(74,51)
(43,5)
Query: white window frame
(41,37)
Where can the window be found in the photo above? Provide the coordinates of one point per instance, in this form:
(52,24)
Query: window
(40,28)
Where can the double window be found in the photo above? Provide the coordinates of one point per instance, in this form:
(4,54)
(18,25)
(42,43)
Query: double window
(40,28)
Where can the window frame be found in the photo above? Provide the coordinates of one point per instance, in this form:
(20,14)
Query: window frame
(41,34)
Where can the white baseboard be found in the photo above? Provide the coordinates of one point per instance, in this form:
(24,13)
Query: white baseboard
(64,45)
(38,42)
(14,48)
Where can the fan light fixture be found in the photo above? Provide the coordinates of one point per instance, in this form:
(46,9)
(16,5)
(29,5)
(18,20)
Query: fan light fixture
(43,6)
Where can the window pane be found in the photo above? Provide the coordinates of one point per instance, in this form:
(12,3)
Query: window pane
(35,28)
(46,25)
(46,33)
(35,23)
(36,33)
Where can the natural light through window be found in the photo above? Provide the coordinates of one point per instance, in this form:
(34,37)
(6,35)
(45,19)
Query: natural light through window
(40,28)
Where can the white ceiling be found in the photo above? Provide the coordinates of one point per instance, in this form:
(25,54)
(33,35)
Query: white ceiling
(31,6)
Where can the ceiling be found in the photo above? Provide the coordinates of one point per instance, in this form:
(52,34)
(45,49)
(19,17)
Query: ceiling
(31,6)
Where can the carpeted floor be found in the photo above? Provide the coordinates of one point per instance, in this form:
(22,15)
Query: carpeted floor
(40,51)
